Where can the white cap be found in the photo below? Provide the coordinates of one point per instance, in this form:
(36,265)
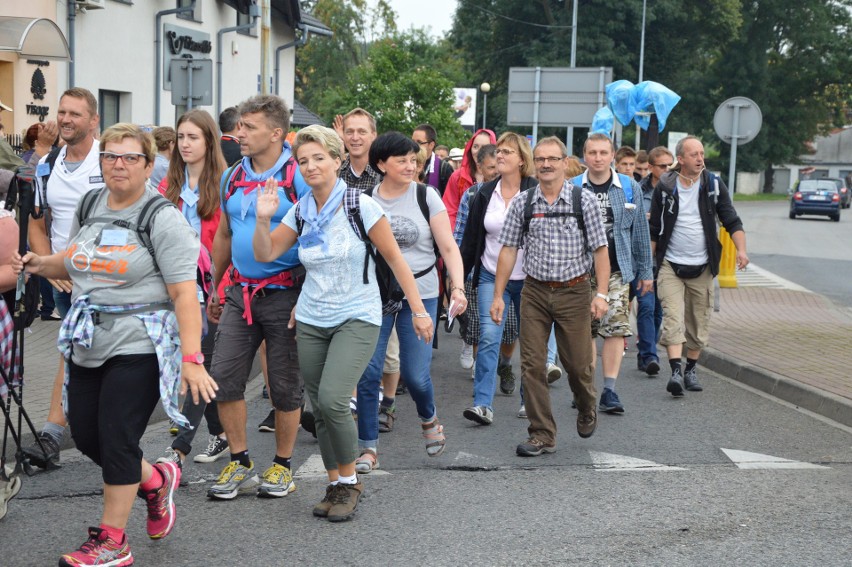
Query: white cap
(456,154)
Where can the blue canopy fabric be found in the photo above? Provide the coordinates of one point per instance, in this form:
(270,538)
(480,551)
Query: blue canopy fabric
(603,121)
(649,96)
(618,98)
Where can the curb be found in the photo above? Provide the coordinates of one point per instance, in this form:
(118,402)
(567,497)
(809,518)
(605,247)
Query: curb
(826,404)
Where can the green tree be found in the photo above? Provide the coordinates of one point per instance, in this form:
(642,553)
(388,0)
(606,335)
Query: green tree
(400,89)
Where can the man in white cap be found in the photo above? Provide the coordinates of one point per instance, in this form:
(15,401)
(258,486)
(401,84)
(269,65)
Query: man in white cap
(8,158)
(456,155)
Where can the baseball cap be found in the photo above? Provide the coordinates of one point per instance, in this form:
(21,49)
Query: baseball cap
(4,107)
(456,154)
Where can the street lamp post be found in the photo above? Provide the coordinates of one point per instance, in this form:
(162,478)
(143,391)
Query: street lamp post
(485,88)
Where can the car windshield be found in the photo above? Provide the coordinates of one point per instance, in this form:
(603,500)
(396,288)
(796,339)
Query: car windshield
(809,185)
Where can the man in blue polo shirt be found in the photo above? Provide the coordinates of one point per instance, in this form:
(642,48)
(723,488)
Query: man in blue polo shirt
(258,305)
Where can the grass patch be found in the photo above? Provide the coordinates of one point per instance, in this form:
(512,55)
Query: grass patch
(761,197)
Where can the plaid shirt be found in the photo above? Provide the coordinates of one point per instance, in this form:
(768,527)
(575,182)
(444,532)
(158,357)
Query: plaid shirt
(78,328)
(7,337)
(463,212)
(369,177)
(553,247)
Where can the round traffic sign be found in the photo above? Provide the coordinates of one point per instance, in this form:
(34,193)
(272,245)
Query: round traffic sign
(738,118)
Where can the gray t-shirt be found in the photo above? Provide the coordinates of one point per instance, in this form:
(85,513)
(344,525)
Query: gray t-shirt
(413,233)
(113,267)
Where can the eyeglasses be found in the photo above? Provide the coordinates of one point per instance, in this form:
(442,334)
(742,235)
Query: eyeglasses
(505,152)
(128,158)
(426,143)
(546,160)
(663,165)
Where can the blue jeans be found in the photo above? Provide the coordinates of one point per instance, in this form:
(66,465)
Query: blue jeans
(415,359)
(649,319)
(490,334)
(62,300)
(551,347)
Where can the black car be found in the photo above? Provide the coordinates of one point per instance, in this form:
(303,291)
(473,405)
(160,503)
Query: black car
(815,197)
(844,191)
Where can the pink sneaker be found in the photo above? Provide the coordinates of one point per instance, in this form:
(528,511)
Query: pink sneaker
(161,505)
(99,550)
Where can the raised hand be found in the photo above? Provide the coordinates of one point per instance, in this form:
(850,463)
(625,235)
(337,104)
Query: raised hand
(267,199)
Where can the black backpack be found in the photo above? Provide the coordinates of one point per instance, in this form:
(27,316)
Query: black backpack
(576,211)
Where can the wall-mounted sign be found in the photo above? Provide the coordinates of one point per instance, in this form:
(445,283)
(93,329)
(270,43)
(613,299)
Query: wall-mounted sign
(182,42)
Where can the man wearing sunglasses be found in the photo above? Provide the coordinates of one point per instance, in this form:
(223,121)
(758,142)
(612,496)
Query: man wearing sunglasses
(63,175)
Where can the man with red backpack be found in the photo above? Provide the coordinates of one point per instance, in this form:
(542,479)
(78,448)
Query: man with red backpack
(258,305)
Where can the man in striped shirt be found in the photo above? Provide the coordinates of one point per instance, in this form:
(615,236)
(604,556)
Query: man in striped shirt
(558,256)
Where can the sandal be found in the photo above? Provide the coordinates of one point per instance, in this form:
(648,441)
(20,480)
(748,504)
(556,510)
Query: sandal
(387,415)
(367,462)
(433,433)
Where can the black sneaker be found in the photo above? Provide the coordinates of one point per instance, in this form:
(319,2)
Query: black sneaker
(533,447)
(652,368)
(610,402)
(507,379)
(268,424)
(216,448)
(47,458)
(264,393)
(308,422)
(690,381)
(675,385)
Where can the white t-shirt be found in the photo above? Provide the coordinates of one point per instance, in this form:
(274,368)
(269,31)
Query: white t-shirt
(334,290)
(64,190)
(495,217)
(687,245)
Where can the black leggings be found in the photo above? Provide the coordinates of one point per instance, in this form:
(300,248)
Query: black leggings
(108,410)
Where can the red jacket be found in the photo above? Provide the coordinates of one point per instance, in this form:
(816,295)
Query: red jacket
(461,179)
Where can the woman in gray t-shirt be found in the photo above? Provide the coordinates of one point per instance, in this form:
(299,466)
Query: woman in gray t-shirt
(120,338)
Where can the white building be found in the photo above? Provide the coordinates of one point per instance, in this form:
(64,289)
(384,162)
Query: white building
(121,50)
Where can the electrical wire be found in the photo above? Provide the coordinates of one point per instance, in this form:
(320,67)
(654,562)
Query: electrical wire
(515,20)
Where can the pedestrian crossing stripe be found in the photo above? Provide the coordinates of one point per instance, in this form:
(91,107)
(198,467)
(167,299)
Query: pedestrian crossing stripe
(612,462)
(313,468)
(746,460)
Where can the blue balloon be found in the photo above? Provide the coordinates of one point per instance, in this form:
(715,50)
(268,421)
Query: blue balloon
(649,96)
(618,98)
(603,121)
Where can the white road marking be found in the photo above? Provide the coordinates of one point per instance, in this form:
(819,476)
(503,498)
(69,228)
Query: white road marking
(613,462)
(313,467)
(746,460)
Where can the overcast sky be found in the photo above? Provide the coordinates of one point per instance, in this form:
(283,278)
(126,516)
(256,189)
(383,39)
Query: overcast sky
(436,14)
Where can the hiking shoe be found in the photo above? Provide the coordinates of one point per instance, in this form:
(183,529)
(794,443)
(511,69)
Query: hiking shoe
(171,456)
(344,500)
(652,368)
(49,457)
(387,415)
(99,549)
(367,462)
(268,424)
(277,482)
(466,357)
(321,509)
(587,422)
(690,381)
(8,490)
(308,422)
(675,385)
(507,379)
(173,428)
(233,479)
(479,414)
(216,448)
(610,402)
(160,502)
(554,373)
(522,413)
(533,447)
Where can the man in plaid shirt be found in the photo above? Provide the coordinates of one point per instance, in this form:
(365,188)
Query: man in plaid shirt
(558,257)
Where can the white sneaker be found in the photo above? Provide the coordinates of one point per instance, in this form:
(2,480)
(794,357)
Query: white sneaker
(466,357)
(522,413)
(480,414)
(554,373)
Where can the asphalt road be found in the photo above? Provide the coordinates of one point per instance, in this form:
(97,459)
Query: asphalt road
(685,503)
(811,251)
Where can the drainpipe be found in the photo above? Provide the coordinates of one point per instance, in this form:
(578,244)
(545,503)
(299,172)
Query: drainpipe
(158,33)
(72,16)
(307,30)
(219,34)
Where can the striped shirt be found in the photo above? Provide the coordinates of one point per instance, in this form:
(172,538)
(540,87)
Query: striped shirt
(553,247)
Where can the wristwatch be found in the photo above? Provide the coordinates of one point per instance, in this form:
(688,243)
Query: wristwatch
(602,296)
(194,358)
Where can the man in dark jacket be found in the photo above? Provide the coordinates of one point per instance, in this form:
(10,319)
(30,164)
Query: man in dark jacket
(687,251)
(437,171)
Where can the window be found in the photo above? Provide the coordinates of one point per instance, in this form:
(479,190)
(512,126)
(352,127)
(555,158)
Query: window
(193,16)
(243,19)
(109,107)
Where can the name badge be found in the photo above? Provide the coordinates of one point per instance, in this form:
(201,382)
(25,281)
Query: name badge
(189,197)
(309,240)
(113,237)
(96,179)
(43,169)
